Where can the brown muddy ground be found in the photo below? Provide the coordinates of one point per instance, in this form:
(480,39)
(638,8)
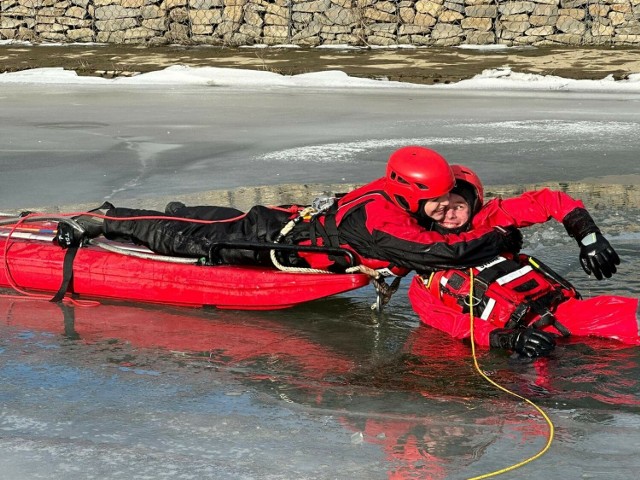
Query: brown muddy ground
(417,65)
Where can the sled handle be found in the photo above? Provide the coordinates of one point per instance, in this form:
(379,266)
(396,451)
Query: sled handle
(282,247)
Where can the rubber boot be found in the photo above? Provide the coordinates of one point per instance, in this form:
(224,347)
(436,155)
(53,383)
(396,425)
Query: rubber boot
(94,226)
(172,208)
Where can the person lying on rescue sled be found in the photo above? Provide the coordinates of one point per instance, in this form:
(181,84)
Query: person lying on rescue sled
(379,223)
(520,304)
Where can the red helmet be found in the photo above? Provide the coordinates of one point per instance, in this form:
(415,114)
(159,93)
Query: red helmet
(465,174)
(415,174)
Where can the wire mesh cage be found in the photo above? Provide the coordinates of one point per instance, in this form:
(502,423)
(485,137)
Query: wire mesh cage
(324,22)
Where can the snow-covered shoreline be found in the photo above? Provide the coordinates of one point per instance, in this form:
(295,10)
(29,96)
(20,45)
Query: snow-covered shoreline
(502,79)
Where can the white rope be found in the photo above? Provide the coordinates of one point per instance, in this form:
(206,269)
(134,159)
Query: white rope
(148,256)
(285,231)
(41,218)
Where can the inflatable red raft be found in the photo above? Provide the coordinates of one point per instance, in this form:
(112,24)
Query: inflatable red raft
(30,260)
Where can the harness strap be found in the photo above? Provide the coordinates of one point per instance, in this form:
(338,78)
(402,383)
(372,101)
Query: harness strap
(67,274)
(329,234)
(334,240)
(549,318)
(314,225)
(316,229)
(331,226)
(485,277)
(450,285)
(543,308)
(517,318)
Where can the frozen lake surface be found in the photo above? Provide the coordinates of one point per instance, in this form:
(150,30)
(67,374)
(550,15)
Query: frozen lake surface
(65,143)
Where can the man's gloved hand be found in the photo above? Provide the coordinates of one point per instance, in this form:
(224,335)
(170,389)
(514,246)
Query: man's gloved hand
(597,256)
(511,238)
(527,342)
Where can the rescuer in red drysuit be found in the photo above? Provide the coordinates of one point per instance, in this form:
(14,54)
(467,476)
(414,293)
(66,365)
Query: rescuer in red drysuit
(517,299)
(379,222)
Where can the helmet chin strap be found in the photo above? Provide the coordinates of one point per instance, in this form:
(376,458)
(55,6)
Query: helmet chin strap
(424,220)
(440,229)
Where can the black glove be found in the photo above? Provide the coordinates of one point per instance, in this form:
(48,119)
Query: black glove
(597,256)
(527,342)
(511,239)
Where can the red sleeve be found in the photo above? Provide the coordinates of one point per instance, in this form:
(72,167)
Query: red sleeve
(392,234)
(527,209)
(434,313)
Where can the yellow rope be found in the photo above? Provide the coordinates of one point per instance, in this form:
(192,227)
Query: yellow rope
(500,387)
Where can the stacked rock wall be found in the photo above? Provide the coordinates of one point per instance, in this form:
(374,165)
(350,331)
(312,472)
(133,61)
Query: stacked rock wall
(324,22)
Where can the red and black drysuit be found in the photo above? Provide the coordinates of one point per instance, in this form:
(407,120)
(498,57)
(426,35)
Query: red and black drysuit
(441,300)
(364,221)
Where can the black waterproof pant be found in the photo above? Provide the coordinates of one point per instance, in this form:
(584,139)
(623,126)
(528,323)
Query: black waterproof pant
(196,240)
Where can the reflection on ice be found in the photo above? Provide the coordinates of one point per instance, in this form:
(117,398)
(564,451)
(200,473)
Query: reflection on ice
(407,391)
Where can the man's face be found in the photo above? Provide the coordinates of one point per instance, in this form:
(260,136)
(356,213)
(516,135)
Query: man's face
(456,213)
(436,207)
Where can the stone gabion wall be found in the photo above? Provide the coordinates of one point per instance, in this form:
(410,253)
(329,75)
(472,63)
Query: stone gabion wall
(324,22)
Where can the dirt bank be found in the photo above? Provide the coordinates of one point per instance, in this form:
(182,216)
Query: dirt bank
(416,65)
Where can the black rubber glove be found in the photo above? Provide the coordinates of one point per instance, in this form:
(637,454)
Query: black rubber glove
(511,238)
(597,256)
(527,342)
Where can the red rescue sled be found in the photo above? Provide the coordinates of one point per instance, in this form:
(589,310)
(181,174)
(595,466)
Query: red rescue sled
(31,260)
